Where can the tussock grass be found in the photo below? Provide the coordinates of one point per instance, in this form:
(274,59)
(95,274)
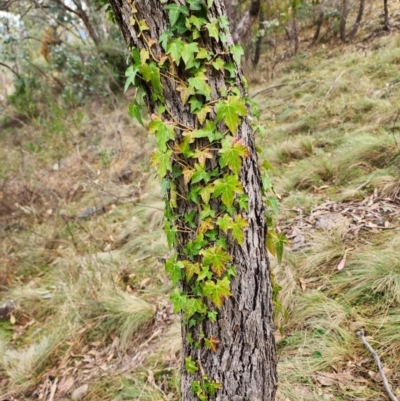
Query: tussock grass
(24,366)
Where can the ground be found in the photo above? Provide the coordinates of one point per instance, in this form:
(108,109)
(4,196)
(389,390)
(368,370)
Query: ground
(82,245)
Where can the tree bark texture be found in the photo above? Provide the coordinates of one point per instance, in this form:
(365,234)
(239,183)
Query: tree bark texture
(231,7)
(320,21)
(245,360)
(247,21)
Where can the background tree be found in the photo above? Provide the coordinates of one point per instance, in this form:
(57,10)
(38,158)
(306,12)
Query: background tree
(188,68)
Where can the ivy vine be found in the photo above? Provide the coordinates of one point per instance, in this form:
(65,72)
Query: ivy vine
(203,263)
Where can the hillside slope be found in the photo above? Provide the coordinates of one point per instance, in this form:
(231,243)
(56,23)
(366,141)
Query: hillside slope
(83,248)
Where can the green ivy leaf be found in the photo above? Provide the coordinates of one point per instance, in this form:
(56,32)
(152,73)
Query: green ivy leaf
(237,52)
(191,269)
(194,247)
(206,212)
(174,48)
(219,64)
(174,12)
(130,73)
(151,73)
(178,300)
(163,131)
(193,306)
(188,52)
(195,5)
(216,258)
(205,193)
(162,160)
(185,92)
(227,187)
(273,203)
(243,202)
(190,365)
(229,110)
(200,174)
(203,54)
(209,131)
(225,222)
(205,274)
(174,269)
(218,291)
(135,111)
(198,82)
(232,153)
(195,104)
(213,29)
(170,231)
(212,315)
(165,38)
(237,229)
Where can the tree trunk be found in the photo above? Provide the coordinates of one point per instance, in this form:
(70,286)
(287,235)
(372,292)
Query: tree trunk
(343,21)
(358,20)
(247,21)
(239,359)
(231,7)
(320,21)
(386,25)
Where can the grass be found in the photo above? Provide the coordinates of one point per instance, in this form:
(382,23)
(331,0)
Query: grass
(92,295)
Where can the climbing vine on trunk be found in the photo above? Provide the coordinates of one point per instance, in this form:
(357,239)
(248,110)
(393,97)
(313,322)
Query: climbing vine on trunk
(186,66)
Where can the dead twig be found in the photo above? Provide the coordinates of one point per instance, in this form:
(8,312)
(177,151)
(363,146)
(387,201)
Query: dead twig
(334,83)
(360,335)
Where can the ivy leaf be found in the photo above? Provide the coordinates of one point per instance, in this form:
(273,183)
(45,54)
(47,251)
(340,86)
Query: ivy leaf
(243,202)
(209,131)
(223,22)
(130,73)
(190,365)
(273,203)
(232,153)
(178,300)
(227,187)
(212,315)
(230,110)
(195,104)
(203,54)
(212,28)
(237,229)
(170,231)
(185,92)
(195,5)
(202,113)
(188,52)
(237,53)
(202,155)
(187,174)
(206,225)
(134,111)
(205,273)
(211,343)
(174,48)
(143,25)
(174,269)
(219,64)
(267,165)
(205,193)
(191,269)
(164,39)
(217,292)
(225,222)
(164,132)
(198,82)
(162,160)
(193,306)
(174,12)
(279,245)
(217,258)
(209,3)
(151,73)
(206,212)
(200,174)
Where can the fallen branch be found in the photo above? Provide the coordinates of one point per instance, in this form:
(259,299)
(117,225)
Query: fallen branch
(360,335)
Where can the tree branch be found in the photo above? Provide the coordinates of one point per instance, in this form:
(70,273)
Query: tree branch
(360,335)
(11,69)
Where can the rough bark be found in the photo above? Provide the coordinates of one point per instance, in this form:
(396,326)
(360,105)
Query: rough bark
(357,23)
(247,21)
(231,7)
(245,361)
(343,20)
